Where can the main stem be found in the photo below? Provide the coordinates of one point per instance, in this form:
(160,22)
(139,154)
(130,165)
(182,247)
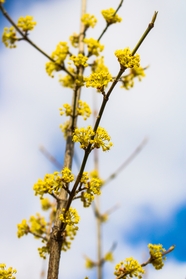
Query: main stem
(56,237)
(97,208)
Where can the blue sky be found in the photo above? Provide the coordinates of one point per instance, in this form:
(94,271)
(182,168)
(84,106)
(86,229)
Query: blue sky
(167,232)
(151,192)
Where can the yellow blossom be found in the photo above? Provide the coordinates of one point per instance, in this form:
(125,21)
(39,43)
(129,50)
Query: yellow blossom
(59,55)
(109,257)
(128,80)
(83,136)
(2,1)
(26,23)
(91,188)
(89,263)
(43,251)
(83,109)
(70,217)
(69,234)
(94,47)
(98,80)
(89,20)
(37,224)
(52,183)
(102,139)
(126,59)
(23,228)
(79,60)
(98,65)
(9,37)
(86,136)
(128,269)
(67,110)
(110,16)
(66,81)
(45,204)
(157,258)
(74,40)
(64,128)
(7,273)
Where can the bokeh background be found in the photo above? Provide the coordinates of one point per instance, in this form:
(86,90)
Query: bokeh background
(151,191)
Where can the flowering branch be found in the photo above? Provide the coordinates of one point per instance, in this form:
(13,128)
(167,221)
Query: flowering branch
(109,23)
(25,37)
(99,116)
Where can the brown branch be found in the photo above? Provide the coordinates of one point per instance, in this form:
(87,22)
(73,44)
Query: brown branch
(38,235)
(56,238)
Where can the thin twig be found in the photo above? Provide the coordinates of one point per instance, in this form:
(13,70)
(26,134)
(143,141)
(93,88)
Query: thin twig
(38,235)
(108,24)
(51,158)
(150,26)
(163,254)
(150,260)
(127,161)
(24,37)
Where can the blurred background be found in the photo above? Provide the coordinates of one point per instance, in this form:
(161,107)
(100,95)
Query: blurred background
(151,191)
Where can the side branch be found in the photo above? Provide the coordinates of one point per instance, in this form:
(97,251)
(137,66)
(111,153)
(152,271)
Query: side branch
(108,24)
(127,161)
(25,37)
(150,26)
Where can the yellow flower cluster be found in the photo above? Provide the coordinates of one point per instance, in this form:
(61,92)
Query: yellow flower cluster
(79,60)
(26,23)
(64,128)
(157,258)
(52,183)
(23,228)
(7,273)
(37,225)
(89,263)
(70,233)
(67,81)
(74,40)
(83,109)
(94,47)
(70,217)
(43,251)
(128,269)
(98,65)
(2,1)
(102,139)
(98,80)
(86,136)
(126,59)
(67,110)
(9,37)
(89,20)
(128,80)
(91,187)
(83,136)
(109,257)
(59,55)
(110,16)
(45,204)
